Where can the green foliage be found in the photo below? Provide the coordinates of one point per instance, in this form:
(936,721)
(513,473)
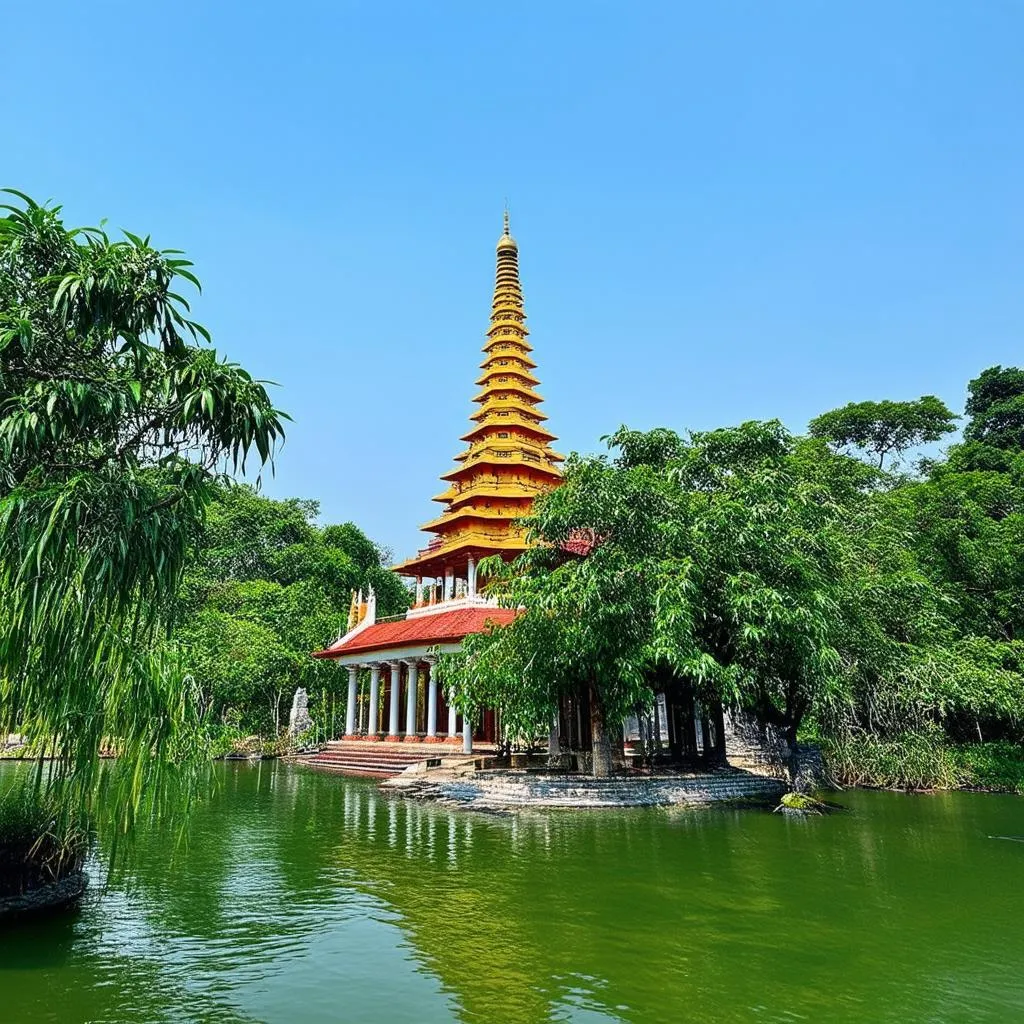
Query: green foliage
(115,420)
(885,428)
(267,588)
(724,560)
(784,577)
(998,767)
(914,761)
(923,760)
(995,405)
(39,843)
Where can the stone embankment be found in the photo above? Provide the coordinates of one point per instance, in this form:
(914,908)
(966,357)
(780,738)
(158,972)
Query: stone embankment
(51,896)
(506,790)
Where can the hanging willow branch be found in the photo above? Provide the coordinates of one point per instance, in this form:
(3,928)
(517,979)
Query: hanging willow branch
(115,419)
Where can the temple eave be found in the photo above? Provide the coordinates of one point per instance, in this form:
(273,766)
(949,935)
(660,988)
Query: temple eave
(539,469)
(437,563)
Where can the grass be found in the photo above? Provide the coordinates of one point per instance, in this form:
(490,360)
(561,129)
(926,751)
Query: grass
(924,761)
(37,845)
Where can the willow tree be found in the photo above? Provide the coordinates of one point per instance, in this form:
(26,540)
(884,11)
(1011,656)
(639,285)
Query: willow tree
(116,416)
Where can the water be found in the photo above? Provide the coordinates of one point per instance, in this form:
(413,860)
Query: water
(306,898)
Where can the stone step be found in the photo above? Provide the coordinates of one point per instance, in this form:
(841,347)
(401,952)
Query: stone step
(350,755)
(371,759)
(354,767)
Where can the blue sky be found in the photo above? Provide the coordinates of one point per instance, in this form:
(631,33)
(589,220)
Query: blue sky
(725,211)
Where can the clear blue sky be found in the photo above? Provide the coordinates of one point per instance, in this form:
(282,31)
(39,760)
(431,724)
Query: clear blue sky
(725,210)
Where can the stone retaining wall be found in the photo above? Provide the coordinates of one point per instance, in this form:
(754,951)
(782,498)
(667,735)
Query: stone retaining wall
(502,790)
(51,896)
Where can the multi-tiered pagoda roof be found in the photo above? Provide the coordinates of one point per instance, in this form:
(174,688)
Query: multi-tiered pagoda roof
(509,459)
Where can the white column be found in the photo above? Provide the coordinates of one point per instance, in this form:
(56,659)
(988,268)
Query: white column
(449,584)
(396,676)
(451,716)
(410,700)
(419,591)
(471,577)
(371,725)
(431,700)
(467,734)
(350,710)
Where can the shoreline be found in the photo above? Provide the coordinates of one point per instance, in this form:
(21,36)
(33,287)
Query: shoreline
(509,790)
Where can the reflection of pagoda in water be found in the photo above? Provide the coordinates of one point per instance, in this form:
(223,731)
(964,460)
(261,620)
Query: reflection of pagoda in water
(507,464)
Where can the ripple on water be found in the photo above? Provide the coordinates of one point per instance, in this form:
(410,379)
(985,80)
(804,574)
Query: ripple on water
(304,899)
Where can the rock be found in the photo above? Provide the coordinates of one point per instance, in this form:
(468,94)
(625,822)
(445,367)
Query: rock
(299,720)
(50,896)
(800,805)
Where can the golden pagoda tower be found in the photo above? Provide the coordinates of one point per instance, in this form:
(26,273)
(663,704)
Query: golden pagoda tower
(509,460)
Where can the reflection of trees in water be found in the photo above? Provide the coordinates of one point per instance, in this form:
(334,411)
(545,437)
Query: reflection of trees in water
(98,968)
(645,915)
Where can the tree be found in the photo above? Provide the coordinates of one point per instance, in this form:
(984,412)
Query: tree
(267,587)
(995,405)
(994,435)
(723,559)
(587,625)
(116,417)
(885,428)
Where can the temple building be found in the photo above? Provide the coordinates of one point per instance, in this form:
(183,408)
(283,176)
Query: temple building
(507,462)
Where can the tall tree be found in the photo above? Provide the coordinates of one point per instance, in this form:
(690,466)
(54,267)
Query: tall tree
(995,407)
(723,559)
(994,435)
(886,428)
(115,418)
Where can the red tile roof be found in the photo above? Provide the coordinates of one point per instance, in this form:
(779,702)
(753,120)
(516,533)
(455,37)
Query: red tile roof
(581,542)
(439,628)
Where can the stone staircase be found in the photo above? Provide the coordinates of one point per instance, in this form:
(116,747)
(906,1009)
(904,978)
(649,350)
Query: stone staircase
(377,760)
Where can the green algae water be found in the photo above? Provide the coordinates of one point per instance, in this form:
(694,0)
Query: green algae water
(306,898)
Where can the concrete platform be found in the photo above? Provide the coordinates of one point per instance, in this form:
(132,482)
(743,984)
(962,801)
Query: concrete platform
(504,790)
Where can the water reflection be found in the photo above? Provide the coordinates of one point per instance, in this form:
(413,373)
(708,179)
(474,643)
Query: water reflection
(307,898)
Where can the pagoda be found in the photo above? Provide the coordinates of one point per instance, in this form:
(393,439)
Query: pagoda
(507,464)
(509,460)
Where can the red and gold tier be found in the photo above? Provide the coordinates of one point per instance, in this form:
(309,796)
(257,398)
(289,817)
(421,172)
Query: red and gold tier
(509,460)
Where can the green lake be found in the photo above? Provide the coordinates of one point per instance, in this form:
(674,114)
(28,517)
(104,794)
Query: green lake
(303,898)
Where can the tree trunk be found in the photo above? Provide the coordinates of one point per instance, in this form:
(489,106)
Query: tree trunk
(600,738)
(796,782)
(716,718)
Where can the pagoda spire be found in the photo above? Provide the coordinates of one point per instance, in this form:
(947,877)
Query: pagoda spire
(509,461)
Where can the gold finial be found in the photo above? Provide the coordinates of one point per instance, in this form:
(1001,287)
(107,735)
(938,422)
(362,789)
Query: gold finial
(506,241)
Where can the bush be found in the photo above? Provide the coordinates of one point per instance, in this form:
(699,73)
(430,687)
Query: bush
(230,741)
